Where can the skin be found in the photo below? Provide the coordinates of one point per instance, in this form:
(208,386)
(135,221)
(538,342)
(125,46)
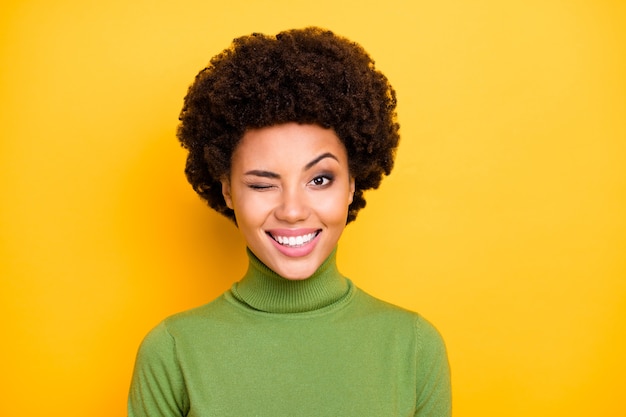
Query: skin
(290,183)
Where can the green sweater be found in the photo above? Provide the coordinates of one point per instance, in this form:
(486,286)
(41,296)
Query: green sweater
(279,348)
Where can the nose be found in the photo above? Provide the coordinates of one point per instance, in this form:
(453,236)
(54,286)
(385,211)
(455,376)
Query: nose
(293,206)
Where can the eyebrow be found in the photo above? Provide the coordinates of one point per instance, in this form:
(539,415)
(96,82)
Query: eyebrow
(318,159)
(273,175)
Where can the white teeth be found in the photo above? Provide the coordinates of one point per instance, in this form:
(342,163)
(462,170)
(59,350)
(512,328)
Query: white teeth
(294,241)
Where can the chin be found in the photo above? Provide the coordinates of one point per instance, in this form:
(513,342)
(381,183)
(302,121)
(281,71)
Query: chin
(296,273)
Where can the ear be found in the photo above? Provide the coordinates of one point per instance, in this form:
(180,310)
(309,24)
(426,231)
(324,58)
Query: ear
(351,190)
(226,193)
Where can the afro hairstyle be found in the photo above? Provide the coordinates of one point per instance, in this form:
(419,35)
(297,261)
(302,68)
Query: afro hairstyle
(307,76)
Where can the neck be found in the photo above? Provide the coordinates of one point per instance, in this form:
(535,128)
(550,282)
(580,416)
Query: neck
(263,289)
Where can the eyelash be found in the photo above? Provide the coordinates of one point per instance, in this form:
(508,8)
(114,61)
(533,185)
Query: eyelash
(259,187)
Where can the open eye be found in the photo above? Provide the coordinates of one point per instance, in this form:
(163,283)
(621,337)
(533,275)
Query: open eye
(321,181)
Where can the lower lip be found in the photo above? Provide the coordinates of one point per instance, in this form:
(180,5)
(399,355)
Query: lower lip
(296,252)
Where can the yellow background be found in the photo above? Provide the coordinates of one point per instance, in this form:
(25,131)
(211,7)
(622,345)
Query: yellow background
(504,221)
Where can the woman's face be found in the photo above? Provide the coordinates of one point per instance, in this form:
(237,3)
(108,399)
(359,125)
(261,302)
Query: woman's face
(290,188)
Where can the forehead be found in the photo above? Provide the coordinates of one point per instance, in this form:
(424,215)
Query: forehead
(287,143)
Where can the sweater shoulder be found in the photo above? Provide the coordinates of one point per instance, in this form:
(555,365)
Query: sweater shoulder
(190,319)
(425,331)
(377,306)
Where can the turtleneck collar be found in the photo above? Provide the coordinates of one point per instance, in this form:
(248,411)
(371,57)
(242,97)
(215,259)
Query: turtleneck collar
(263,289)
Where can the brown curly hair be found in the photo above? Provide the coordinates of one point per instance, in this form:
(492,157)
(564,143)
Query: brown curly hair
(308,76)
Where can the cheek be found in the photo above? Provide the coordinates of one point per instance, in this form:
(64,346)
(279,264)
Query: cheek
(250,209)
(335,209)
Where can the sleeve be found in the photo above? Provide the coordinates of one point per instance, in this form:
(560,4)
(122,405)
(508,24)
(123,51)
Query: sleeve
(434,397)
(157,386)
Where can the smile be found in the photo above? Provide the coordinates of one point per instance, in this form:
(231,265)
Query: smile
(294,241)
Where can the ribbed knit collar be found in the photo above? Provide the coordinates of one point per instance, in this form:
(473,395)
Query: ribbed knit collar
(263,289)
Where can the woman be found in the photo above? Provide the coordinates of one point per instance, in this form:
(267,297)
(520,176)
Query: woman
(284,135)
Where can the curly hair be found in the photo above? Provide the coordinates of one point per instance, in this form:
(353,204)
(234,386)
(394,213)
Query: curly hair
(308,76)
